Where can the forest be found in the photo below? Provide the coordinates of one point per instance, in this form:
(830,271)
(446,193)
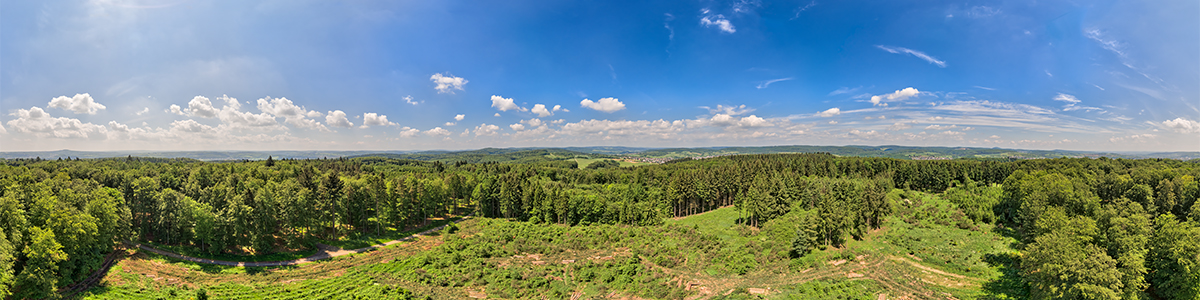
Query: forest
(1084,228)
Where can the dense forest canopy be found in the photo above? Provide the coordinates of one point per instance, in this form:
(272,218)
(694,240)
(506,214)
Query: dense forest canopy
(1090,228)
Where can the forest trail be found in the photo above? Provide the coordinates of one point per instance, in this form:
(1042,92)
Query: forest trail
(323,252)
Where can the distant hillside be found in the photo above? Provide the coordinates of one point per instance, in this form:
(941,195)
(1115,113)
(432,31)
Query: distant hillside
(509,155)
(905,152)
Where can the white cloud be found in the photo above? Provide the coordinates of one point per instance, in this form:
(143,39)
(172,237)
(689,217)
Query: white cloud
(1182,125)
(901,126)
(486,130)
(200,106)
(39,123)
(295,115)
(918,54)
(767,83)
(753,121)
(940,127)
(459,117)
(232,116)
(1072,103)
(1139,138)
(535,122)
(729,110)
(373,119)
(899,95)
(1108,44)
(517,127)
(437,131)
(409,99)
(338,118)
(709,20)
(830,112)
(79,104)
(496,115)
(541,111)
(447,83)
(143,111)
(505,104)
(980,12)
(190,125)
(408,132)
(607,105)
(2,130)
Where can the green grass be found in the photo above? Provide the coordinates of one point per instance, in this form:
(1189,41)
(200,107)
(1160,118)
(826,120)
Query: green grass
(721,222)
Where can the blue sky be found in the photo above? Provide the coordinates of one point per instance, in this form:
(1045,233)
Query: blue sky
(410,75)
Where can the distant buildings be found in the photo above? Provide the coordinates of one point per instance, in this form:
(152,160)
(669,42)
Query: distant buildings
(930,158)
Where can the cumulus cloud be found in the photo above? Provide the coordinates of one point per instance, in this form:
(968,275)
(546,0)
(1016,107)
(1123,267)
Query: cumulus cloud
(830,112)
(373,119)
(541,111)
(486,129)
(709,20)
(1182,125)
(143,111)
(940,127)
(39,123)
(729,110)
(79,104)
(725,120)
(409,99)
(200,106)
(408,132)
(918,54)
(505,104)
(232,116)
(338,118)
(607,105)
(517,127)
(291,113)
(459,117)
(447,83)
(437,131)
(899,95)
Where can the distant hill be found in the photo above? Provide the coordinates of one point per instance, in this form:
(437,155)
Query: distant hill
(545,154)
(500,155)
(906,152)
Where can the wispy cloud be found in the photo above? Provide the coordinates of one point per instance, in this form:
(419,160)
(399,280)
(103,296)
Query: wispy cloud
(764,84)
(1073,103)
(844,90)
(984,88)
(709,20)
(980,12)
(918,54)
(802,9)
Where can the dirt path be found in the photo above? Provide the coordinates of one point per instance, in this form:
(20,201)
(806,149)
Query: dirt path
(323,252)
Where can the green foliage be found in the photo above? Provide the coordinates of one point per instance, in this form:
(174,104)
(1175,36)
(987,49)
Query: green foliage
(603,164)
(975,200)
(1175,258)
(1063,264)
(6,266)
(38,280)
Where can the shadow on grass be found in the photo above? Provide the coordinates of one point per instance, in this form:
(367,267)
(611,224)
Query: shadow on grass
(1010,285)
